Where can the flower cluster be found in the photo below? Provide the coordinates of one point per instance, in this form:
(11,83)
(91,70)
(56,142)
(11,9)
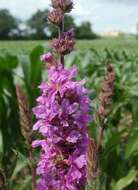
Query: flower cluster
(63,116)
(65,43)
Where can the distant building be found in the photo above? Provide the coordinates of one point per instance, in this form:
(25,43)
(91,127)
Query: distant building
(113,33)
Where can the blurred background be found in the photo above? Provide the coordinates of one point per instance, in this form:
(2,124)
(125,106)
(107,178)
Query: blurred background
(106,30)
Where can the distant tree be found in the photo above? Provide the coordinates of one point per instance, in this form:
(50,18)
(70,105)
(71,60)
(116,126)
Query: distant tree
(23,32)
(69,23)
(8,24)
(38,24)
(84,31)
(41,29)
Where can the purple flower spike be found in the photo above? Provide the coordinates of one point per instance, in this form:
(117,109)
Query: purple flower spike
(63,116)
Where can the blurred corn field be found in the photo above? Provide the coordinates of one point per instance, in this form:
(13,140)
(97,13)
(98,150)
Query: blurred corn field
(118,159)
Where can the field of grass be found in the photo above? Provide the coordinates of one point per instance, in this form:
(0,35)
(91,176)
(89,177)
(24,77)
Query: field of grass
(116,44)
(118,163)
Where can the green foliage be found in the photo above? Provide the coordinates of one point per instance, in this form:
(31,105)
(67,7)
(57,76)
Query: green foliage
(125,181)
(32,72)
(127,46)
(118,162)
(12,139)
(120,150)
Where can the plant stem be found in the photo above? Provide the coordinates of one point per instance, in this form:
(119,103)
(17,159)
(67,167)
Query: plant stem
(100,138)
(5,187)
(61,30)
(33,170)
(3,181)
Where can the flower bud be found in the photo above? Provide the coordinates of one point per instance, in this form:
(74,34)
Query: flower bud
(48,59)
(65,44)
(55,17)
(64,5)
(55,3)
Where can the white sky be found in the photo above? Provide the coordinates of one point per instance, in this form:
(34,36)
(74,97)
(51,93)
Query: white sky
(103,14)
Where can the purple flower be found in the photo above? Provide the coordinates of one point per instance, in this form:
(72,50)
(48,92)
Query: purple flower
(62,114)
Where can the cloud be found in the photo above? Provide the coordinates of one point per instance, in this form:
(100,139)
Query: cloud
(127,2)
(24,8)
(117,14)
(85,11)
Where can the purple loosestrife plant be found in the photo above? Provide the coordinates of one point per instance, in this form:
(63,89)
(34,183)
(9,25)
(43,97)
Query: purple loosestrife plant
(62,114)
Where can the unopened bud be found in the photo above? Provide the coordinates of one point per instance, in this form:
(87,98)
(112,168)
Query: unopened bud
(64,5)
(55,3)
(65,44)
(55,17)
(48,58)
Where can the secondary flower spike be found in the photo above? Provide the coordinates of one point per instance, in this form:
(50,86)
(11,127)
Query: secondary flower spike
(107,92)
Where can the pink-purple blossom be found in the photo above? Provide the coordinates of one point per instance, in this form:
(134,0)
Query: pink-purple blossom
(62,114)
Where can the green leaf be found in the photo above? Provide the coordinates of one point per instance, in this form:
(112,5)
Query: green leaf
(132,146)
(2,63)
(36,64)
(8,62)
(25,64)
(134,103)
(127,180)
(12,61)
(32,70)
(21,163)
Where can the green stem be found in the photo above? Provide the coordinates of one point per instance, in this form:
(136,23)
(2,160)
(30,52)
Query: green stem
(61,30)
(32,166)
(100,138)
